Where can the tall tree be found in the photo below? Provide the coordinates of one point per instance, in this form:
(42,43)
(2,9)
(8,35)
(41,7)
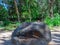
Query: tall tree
(57,3)
(42,4)
(51,4)
(17,12)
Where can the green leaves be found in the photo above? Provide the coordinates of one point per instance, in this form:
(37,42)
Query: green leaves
(55,21)
(29,10)
(3,13)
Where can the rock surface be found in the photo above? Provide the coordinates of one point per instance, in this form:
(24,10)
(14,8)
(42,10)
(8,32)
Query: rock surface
(6,36)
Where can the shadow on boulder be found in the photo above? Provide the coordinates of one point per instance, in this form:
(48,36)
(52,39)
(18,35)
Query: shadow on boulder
(31,33)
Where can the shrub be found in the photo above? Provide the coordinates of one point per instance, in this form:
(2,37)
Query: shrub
(54,21)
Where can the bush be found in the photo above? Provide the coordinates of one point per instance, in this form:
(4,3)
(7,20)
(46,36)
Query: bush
(54,21)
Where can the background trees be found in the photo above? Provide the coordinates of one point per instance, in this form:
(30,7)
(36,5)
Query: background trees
(30,10)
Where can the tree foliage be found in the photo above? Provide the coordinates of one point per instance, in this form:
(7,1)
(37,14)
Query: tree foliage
(30,10)
(3,13)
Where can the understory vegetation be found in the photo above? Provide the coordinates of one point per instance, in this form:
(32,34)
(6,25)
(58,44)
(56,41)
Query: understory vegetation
(14,12)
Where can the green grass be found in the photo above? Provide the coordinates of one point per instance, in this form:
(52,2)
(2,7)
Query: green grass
(11,26)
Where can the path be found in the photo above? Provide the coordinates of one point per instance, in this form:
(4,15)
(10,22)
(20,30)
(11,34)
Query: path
(6,36)
(55,38)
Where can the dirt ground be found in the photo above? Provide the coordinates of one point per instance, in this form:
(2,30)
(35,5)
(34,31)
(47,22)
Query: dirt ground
(6,36)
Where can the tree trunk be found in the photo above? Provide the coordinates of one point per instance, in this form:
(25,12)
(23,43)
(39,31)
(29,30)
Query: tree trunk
(57,2)
(51,2)
(17,12)
(30,18)
(29,10)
